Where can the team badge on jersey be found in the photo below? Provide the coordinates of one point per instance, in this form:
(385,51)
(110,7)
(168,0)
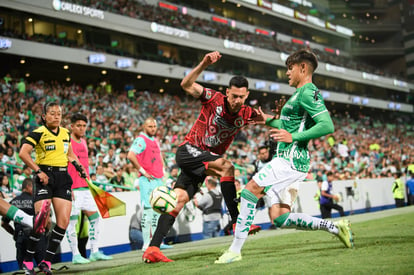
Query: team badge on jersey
(239,122)
(65,147)
(208,94)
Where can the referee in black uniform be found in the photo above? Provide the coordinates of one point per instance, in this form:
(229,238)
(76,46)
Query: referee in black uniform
(52,181)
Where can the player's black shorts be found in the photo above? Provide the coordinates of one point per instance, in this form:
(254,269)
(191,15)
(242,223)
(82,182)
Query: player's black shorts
(59,185)
(191,159)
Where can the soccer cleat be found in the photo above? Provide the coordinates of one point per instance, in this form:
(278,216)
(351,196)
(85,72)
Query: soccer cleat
(345,233)
(28,268)
(99,256)
(40,220)
(45,267)
(228,257)
(253,229)
(78,259)
(154,255)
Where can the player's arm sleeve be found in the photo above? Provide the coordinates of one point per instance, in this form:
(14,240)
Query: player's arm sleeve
(206,95)
(323,126)
(32,138)
(272,122)
(138,146)
(325,186)
(315,107)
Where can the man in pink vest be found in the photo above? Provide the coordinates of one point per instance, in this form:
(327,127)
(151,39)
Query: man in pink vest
(82,199)
(145,155)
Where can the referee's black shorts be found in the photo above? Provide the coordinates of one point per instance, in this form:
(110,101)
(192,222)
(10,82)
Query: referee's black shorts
(59,185)
(192,161)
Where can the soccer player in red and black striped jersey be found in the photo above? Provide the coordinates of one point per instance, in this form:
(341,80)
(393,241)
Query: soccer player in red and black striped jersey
(200,155)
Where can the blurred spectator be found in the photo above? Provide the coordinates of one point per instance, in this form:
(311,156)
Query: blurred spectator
(210,204)
(172,177)
(410,188)
(327,200)
(398,190)
(6,191)
(101,178)
(129,175)
(118,179)
(26,173)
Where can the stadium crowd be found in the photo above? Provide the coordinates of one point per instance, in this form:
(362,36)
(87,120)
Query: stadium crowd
(361,147)
(142,11)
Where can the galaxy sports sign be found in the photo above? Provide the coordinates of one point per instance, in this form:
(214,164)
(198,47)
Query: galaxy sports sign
(77,9)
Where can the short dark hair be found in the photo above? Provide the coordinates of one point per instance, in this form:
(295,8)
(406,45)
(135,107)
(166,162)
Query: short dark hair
(26,182)
(330,173)
(239,82)
(48,105)
(78,116)
(303,55)
(262,147)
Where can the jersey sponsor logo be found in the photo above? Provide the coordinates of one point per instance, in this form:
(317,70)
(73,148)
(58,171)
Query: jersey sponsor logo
(283,117)
(42,192)
(192,151)
(295,155)
(50,147)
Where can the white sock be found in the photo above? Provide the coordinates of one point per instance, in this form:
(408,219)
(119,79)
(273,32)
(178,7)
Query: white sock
(72,236)
(302,221)
(23,218)
(245,219)
(94,232)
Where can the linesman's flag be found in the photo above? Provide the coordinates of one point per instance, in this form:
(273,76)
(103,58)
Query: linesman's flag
(108,205)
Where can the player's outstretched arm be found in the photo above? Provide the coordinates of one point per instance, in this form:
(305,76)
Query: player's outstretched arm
(188,83)
(259,118)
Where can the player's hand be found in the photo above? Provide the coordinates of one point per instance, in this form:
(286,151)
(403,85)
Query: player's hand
(148,176)
(83,174)
(211,58)
(43,178)
(281,135)
(259,118)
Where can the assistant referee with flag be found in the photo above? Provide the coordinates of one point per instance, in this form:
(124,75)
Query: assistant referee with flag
(52,181)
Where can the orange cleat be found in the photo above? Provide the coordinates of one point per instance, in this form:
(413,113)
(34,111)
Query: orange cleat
(153,255)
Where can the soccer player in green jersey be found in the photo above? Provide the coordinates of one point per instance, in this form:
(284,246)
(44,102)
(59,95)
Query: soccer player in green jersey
(302,118)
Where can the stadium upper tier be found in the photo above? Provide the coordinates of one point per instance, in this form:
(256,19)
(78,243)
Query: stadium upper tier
(146,39)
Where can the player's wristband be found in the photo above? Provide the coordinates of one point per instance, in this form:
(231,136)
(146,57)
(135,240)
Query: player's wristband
(77,166)
(38,171)
(142,170)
